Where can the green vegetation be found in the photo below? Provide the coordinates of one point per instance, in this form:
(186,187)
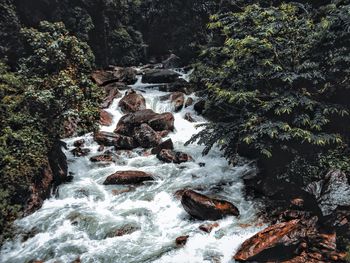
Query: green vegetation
(279,75)
(52,85)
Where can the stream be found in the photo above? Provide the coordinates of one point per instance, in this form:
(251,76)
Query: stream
(79,220)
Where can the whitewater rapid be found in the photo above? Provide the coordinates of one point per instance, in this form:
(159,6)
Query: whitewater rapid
(77,223)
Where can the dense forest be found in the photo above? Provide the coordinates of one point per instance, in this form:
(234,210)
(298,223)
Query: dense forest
(272,78)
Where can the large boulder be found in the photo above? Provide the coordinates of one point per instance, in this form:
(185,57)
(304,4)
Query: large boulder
(199,106)
(146,136)
(160,76)
(132,102)
(172,61)
(276,242)
(205,208)
(106,118)
(158,122)
(128,177)
(179,85)
(103,77)
(114,74)
(120,142)
(170,156)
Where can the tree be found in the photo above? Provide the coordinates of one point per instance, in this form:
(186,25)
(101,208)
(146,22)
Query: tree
(279,75)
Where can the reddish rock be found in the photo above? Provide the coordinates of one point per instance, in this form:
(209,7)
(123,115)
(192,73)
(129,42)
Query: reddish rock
(102,158)
(181,241)
(188,117)
(188,102)
(128,177)
(205,208)
(146,136)
(170,156)
(114,74)
(208,227)
(120,142)
(103,77)
(125,74)
(168,144)
(106,118)
(79,143)
(177,100)
(132,102)
(112,92)
(125,230)
(163,133)
(178,194)
(161,122)
(270,242)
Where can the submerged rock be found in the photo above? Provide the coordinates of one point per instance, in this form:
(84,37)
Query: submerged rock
(170,156)
(205,208)
(102,158)
(208,227)
(132,102)
(122,231)
(159,76)
(128,177)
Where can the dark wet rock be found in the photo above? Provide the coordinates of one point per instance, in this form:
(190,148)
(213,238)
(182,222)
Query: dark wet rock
(102,77)
(172,61)
(163,121)
(132,102)
(276,242)
(201,164)
(128,177)
(170,156)
(112,92)
(120,142)
(199,106)
(79,143)
(188,102)
(188,117)
(331,192)
(205,208)
(101,148)
(160,76)
(79,152)
(208,227)
(180,85)
(146,136)
(168,144)
(178,194)
(177,100)
(102,158)
(181,241)
(122,231)
(106,118)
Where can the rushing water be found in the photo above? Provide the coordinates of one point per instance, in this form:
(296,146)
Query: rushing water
(79,221)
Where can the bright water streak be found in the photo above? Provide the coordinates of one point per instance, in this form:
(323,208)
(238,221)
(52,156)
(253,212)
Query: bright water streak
(78,222)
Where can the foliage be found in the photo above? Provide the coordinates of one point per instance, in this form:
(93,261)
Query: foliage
(279,74)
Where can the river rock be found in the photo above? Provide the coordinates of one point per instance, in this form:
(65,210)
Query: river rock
(172,61)
(114,74)
(159,76)
(168,144)
(102,158)
(122,231)
(79,152)
(180,85)
(79,143)
(188,102)
(205,208)
(177,100)
(128,177)
(188,117)
(112,92)
(132,102)
(106,118)
(158,122)
(276,242)
(208,227)
(170,156)
(199,106)
(146,136)
(120,142)
(103,77)
(181,241)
